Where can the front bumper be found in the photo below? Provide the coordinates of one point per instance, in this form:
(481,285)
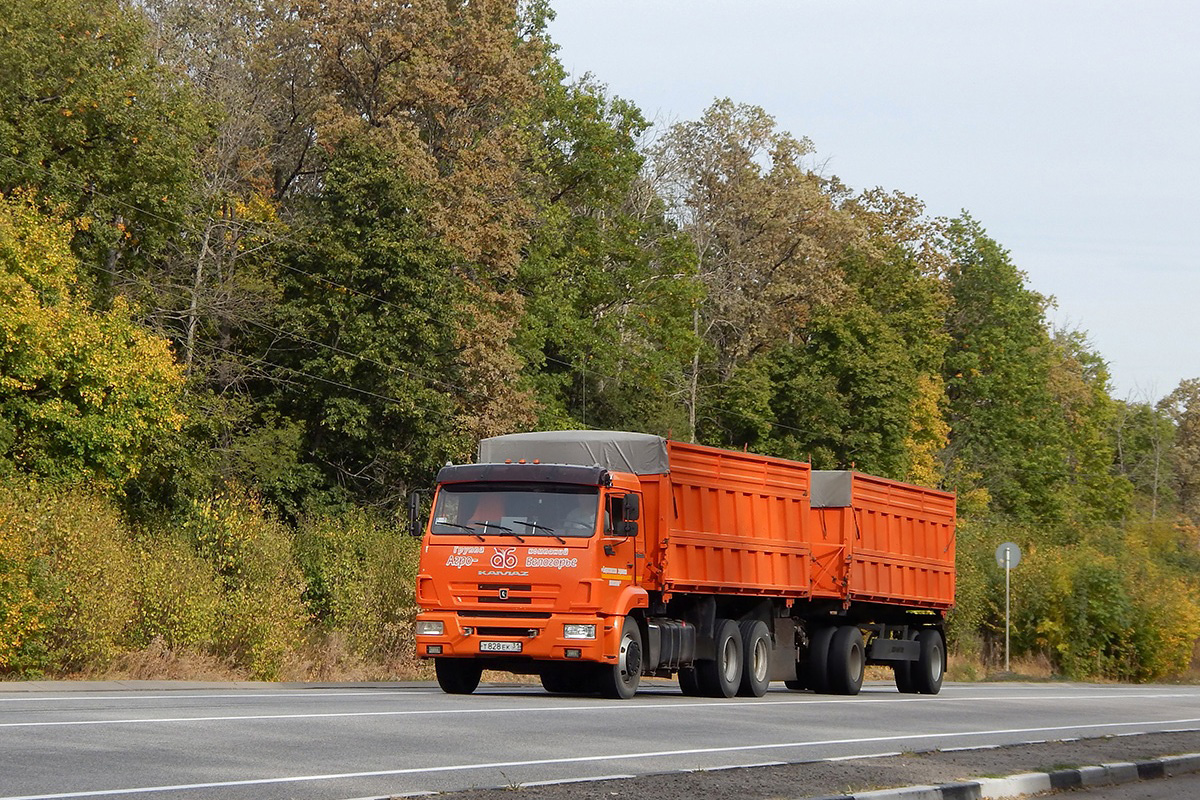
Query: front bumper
(465,635)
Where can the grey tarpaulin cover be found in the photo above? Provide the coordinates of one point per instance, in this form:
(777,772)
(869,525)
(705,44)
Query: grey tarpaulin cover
(831,488)
(639,453)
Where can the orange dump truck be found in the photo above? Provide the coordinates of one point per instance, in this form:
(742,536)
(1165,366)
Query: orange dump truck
(595,558)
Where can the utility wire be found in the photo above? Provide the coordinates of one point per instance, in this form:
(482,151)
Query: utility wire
(278,239)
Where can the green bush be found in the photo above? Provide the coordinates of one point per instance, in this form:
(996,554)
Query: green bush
(260,615)
(69,584)
(361,572)
(178,597)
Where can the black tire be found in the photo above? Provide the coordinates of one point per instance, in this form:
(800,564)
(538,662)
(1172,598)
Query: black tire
(620,681)
(567,679)
(689,682)
(756,658)
(721,676)
(904,680)
(927,672)
(816,665)
(847,660)
(457,675)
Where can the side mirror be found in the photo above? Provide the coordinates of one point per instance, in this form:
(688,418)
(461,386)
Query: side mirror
(625,511)
(415,528)
(631,509)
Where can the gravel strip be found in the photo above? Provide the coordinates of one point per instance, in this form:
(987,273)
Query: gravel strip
(825,778)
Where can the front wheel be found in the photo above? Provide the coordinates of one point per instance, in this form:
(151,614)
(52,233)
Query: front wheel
(457,675)
(927,672)
(620,680)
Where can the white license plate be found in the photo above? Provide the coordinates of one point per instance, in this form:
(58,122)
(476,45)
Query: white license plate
(499,647)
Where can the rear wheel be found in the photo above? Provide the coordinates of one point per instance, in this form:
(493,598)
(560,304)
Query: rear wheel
(904,679)
(620,680)
(816,666)
(689,682)
(847,660)
(756,658)
(457,675)
(927,672)
(721,676)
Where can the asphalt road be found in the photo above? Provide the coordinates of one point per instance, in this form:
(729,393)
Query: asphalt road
(325,743)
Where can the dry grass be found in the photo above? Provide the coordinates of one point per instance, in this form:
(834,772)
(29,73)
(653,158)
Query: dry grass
(157,662)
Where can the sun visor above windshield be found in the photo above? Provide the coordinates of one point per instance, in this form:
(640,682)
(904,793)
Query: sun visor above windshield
(639,453)
(524,473)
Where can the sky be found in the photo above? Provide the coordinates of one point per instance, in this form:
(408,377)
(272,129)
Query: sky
(1069,130)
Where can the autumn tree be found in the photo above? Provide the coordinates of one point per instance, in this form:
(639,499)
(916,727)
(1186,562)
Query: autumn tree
(765,229)
(1144,436)
(608,281)
(89,119)
(439,90)
(1006,433)
(1182,406)
(84,395)
(1079,381)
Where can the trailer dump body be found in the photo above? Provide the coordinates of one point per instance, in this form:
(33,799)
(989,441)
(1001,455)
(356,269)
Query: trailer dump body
(592,558)
(883,540)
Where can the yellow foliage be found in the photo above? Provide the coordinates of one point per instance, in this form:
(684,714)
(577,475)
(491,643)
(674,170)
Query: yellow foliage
(84,393)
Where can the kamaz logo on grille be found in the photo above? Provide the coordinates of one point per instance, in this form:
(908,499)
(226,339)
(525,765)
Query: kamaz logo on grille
(504,557)
(504,594)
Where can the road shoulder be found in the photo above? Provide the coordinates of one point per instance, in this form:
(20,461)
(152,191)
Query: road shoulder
(856,777)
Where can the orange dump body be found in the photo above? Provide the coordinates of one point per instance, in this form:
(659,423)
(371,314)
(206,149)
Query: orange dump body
(731,523)
(879,540)
(739,523)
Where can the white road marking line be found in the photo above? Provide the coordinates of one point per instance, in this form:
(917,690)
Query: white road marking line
(589,779)
(865,756)
(590,708)
(286,694)
(582,760)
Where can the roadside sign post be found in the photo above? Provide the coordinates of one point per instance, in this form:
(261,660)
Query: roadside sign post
(1008,555)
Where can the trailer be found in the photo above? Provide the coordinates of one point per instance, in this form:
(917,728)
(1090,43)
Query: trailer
(596,558)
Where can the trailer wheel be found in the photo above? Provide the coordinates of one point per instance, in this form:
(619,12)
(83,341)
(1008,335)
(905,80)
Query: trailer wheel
(457,675)
(927,672)
(689,682)
(721,676)
(620,680)
(847,660)
(904,679)
(816,666)
(756,658)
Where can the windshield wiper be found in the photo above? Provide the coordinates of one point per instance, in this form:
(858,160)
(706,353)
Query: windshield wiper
(466,528)
(542,528)
(497,525)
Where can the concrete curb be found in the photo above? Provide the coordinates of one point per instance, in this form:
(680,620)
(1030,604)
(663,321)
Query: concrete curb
(1034,782)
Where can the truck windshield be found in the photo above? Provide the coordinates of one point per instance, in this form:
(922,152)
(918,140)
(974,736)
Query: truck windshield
(520,509)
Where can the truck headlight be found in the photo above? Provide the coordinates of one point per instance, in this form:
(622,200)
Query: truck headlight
(430,627)
(572,631)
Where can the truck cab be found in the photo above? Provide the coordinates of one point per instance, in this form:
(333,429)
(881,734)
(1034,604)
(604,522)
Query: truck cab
(530,568)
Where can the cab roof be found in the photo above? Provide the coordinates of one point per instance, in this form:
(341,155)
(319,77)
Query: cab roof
(619,451)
